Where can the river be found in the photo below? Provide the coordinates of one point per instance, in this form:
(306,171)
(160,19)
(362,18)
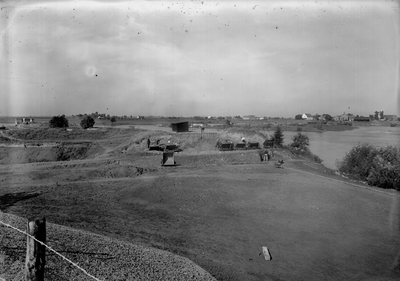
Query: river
(331,146)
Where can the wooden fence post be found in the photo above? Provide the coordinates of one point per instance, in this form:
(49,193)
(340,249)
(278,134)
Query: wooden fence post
(35,252)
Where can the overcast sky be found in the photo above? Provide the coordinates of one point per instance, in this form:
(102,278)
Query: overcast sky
(220,58)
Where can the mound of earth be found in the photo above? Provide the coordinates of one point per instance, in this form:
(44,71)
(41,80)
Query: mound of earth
(102,257)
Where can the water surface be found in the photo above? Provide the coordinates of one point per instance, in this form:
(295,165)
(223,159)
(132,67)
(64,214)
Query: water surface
(331,146)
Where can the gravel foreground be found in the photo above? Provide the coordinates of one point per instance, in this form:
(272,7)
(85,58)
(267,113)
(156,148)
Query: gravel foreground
(102,257)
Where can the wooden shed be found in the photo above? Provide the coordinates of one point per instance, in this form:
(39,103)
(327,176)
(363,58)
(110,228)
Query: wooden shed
(180,127)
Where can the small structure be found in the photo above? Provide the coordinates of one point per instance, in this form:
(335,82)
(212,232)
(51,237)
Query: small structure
(390,117)
(180,127)
(168,159)
(268,143)
(170,147)
(253,145)
(225,146)
(155,147)
(307,116)
(240,146)
(249,117)
(361,119)
(344,117)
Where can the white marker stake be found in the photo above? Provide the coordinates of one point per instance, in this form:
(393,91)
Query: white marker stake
(266,253)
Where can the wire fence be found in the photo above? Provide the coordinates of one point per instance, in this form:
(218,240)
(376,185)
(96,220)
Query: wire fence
(50,249)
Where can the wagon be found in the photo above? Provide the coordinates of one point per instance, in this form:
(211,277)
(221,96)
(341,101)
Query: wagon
(253,145)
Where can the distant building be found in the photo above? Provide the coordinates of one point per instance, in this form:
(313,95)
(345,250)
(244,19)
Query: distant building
(180,127)
(390,117)
(307,116)
(344,117)
(249,117)
(25,120)
(361,119)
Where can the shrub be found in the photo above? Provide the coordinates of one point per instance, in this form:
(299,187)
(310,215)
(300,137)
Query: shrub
(358,161)
(385,168)
(301,141)
(87,122)
(58,122)
(299,147)
(376,165)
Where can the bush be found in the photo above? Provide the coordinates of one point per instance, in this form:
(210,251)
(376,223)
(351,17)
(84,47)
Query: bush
(87,122)
(358,161)
(385,168)
(299,147)
(58,122)
(376,165)
(300,141)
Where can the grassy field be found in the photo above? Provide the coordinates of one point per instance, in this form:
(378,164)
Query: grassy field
(216,208)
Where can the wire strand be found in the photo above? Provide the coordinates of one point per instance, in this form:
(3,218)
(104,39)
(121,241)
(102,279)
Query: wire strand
(51,249)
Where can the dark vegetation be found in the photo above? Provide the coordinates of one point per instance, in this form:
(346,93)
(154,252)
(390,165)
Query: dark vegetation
(299,147)
(278,136)
(58,122)
(379,166)
(87,122)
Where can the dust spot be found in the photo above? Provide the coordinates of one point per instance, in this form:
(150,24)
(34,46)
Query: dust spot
(90,71)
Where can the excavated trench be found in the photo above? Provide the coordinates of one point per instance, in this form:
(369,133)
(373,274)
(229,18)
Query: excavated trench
(45,152)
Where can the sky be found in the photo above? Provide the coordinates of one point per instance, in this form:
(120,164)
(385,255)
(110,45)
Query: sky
(218,58)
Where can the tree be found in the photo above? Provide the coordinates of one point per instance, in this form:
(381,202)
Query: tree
(328,117)
(381,114)
(113,119)
(58,122)
(299,117)
(87,122)
(301,142)
(376,115)
(278,136)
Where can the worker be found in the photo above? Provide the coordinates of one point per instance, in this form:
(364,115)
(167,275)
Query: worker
(148,143)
